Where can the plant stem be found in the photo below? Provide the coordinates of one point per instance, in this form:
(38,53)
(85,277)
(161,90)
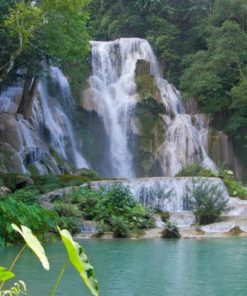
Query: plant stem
(58,280)
(14,263)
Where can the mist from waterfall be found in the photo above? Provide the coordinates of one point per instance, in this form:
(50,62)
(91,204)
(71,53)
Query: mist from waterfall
(112,94)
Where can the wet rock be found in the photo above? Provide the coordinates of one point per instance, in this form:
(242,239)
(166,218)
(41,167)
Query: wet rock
(235,231)
(4,191)
(47,199)
(10,100)
(170,231)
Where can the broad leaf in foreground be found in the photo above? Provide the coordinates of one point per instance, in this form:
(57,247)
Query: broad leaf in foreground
(5,275)
(79,260)
(33,243)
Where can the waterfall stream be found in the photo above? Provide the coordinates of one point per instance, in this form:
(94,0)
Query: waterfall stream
(112,94)
(57,122)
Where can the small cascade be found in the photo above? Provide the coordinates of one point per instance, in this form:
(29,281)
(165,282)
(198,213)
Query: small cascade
(57,123)
(45,143)
(164,193)
(113,95)
(10,99)
(62,89)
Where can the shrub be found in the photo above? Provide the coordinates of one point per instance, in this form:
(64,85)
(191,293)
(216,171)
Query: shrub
(119,227)
(165,216)
(67,210)
(170,231)
(27,195)
(105,204)
(190,170)
(206,200)
(73,224)
(196,169)
(12,211)
(235,188)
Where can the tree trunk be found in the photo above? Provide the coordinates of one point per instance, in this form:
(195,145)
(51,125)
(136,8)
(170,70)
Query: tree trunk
(28,94)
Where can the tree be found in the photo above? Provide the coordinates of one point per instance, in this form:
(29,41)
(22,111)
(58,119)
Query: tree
(21,23)
(45,30)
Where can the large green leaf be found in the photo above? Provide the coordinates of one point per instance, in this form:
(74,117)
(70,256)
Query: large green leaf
(5,275)
(33,244)
(79,260)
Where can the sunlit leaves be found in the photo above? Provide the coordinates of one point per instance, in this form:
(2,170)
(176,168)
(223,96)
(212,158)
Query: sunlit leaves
(24,19)
(79,260)
(34,244)
(5,275)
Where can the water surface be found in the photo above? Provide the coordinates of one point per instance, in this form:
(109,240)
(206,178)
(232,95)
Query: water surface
(215,267)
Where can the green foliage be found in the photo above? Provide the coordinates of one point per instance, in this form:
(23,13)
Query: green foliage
(67,210)
(195,170)
(64,31)
(235,188)
(12,211)
(165,216)
(114,207)
(33,243)
(150,104)
(28,195)
(24,19)
(79,260)
(206,200)
(76,256)
(216,74)
(71,223)
(119,227)
(5,275)
(34,31)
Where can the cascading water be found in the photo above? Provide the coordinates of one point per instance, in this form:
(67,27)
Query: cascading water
(45,143)
(112,94)
(60,130)
(164,193)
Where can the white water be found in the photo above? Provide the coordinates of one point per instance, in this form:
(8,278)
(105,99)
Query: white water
(10,99)
(48,127)
(57,122)
(112,94)
(165,193)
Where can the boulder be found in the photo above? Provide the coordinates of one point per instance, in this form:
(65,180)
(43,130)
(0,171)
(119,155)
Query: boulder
(4,191)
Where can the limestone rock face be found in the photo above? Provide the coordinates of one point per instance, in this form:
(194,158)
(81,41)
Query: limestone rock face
(221,150)
(10,100)
(147,122)
(4,191)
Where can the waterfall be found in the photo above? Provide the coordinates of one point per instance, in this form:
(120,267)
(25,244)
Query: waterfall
(112,94)
(56,121)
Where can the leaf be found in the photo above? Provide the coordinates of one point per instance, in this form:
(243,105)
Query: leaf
(5,275)
(33,244)
(79,260)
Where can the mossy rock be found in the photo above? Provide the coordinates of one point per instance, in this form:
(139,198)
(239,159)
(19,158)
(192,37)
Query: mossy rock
(145,82)
(235,231)
(16,181)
